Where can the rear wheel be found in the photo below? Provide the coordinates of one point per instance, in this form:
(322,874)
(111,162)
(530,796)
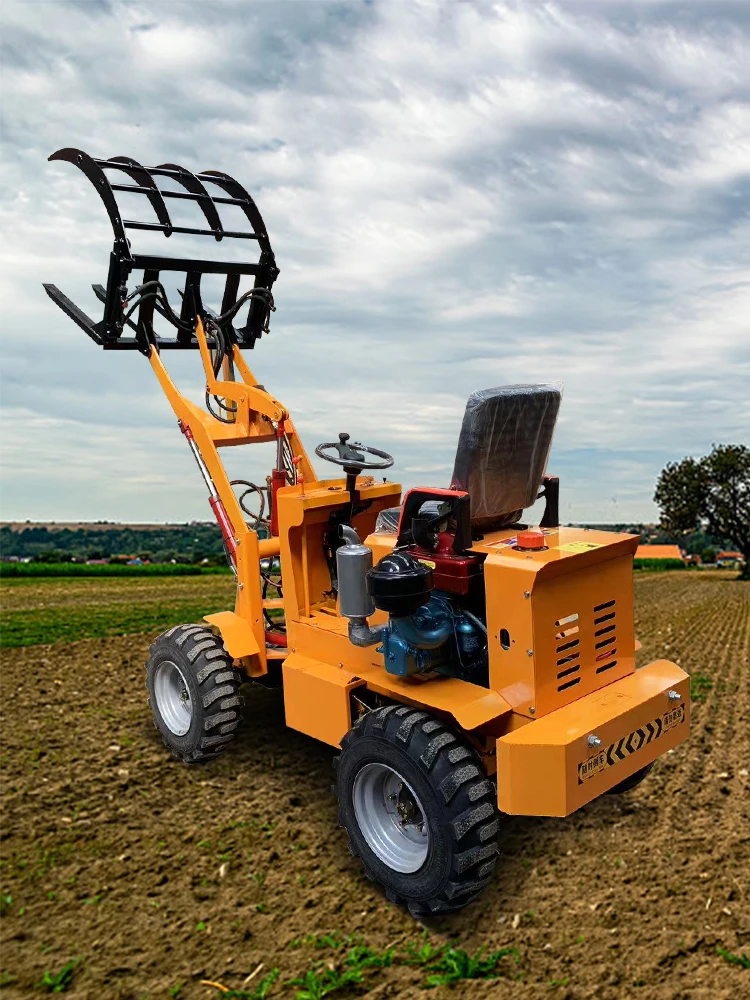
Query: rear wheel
(420,814)
(632,782)
(193,692)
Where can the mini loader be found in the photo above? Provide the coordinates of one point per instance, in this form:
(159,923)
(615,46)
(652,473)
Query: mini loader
(463,664)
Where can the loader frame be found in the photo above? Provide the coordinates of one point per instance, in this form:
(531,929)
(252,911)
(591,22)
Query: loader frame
(329,682)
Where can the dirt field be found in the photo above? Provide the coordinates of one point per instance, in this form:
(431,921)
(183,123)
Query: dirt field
(156,876)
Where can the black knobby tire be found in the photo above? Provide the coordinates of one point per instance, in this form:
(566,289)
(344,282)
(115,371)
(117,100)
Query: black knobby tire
(458,802)
(197,662)
(627,784)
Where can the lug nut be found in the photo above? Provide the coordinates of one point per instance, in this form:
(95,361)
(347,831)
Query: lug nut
(594,741)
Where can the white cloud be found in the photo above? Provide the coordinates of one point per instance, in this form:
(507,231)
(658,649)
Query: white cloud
(459,195)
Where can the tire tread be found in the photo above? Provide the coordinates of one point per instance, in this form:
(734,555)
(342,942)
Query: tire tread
(217,680)
(454,771)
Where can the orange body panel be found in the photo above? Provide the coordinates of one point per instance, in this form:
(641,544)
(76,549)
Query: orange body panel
(239,639)
(303,518)
(316,698)
(549,768)
(325,638)
(529,592)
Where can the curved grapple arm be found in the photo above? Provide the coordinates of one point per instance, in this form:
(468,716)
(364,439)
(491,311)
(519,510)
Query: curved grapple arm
(137,179)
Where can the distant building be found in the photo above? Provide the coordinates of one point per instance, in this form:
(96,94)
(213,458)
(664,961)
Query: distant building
(729,559)
(660,552)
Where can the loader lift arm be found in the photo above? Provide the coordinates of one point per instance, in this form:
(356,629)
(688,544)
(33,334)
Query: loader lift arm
(243,411)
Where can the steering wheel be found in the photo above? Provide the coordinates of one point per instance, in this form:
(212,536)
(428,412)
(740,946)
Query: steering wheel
(353,456)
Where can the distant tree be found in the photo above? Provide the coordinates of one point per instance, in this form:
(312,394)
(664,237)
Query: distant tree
(711,493)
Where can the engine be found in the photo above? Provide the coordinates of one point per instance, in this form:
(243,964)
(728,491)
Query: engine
(429,628)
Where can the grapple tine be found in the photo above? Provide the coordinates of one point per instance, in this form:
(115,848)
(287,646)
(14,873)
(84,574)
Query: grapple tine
(205,202)
(142,177)
(77,315)
(268,271)
(98,178)
(236,190)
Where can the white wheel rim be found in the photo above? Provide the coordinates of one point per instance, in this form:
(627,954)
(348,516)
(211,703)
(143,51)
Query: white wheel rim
(173,698)
(391,818)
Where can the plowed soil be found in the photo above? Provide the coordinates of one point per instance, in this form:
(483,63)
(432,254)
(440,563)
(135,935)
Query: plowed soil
(157,876)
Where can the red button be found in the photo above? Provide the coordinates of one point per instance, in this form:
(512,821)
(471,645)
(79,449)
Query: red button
(531,540)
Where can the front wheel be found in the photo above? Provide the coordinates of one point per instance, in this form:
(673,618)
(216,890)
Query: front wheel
(194,692)
(419,812)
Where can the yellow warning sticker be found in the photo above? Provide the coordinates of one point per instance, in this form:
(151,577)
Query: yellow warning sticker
(618,751)
(579,546)
(427,562)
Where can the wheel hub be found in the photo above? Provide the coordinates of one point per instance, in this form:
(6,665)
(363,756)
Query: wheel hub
(173,697)
(391,818)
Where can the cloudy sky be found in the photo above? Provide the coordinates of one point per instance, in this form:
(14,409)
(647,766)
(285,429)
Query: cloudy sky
(459,195)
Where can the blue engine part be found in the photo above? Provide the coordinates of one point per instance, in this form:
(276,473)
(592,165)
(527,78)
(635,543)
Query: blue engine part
(437,636)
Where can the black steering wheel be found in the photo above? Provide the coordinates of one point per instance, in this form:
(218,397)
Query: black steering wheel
(353,456)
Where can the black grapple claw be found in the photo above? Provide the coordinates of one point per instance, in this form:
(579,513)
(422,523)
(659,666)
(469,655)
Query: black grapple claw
(208,190)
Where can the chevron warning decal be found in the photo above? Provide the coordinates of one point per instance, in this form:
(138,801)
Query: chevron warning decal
(618,751)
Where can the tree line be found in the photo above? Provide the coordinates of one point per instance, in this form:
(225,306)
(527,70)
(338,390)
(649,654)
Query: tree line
(181,543)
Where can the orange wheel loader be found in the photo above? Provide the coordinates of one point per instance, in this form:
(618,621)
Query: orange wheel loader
(463,664)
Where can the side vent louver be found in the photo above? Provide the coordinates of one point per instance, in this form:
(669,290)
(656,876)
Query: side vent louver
(568,639)
(605,633)
(567,644)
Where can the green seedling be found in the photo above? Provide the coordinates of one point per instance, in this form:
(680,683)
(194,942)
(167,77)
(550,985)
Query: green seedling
(320,981)
(699,687)
(6,902)
(334,940)
(424,954)
(362,957)
(456,964)
(175,991)
(742,959)
(259,992)
(58,982)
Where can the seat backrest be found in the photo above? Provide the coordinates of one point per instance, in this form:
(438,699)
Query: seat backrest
(503,449)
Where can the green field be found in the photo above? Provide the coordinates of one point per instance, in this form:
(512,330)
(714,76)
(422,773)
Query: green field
(34,570)
(659,565)
(36,611)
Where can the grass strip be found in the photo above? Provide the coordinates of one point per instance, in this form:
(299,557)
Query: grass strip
(34,571)
(22,628)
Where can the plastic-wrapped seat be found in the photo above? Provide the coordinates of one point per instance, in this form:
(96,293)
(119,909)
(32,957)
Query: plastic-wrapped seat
(503,447)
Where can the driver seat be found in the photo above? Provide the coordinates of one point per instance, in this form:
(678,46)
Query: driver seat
(502,453)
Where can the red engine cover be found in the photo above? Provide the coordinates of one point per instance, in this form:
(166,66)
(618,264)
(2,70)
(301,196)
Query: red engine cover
(454,573)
